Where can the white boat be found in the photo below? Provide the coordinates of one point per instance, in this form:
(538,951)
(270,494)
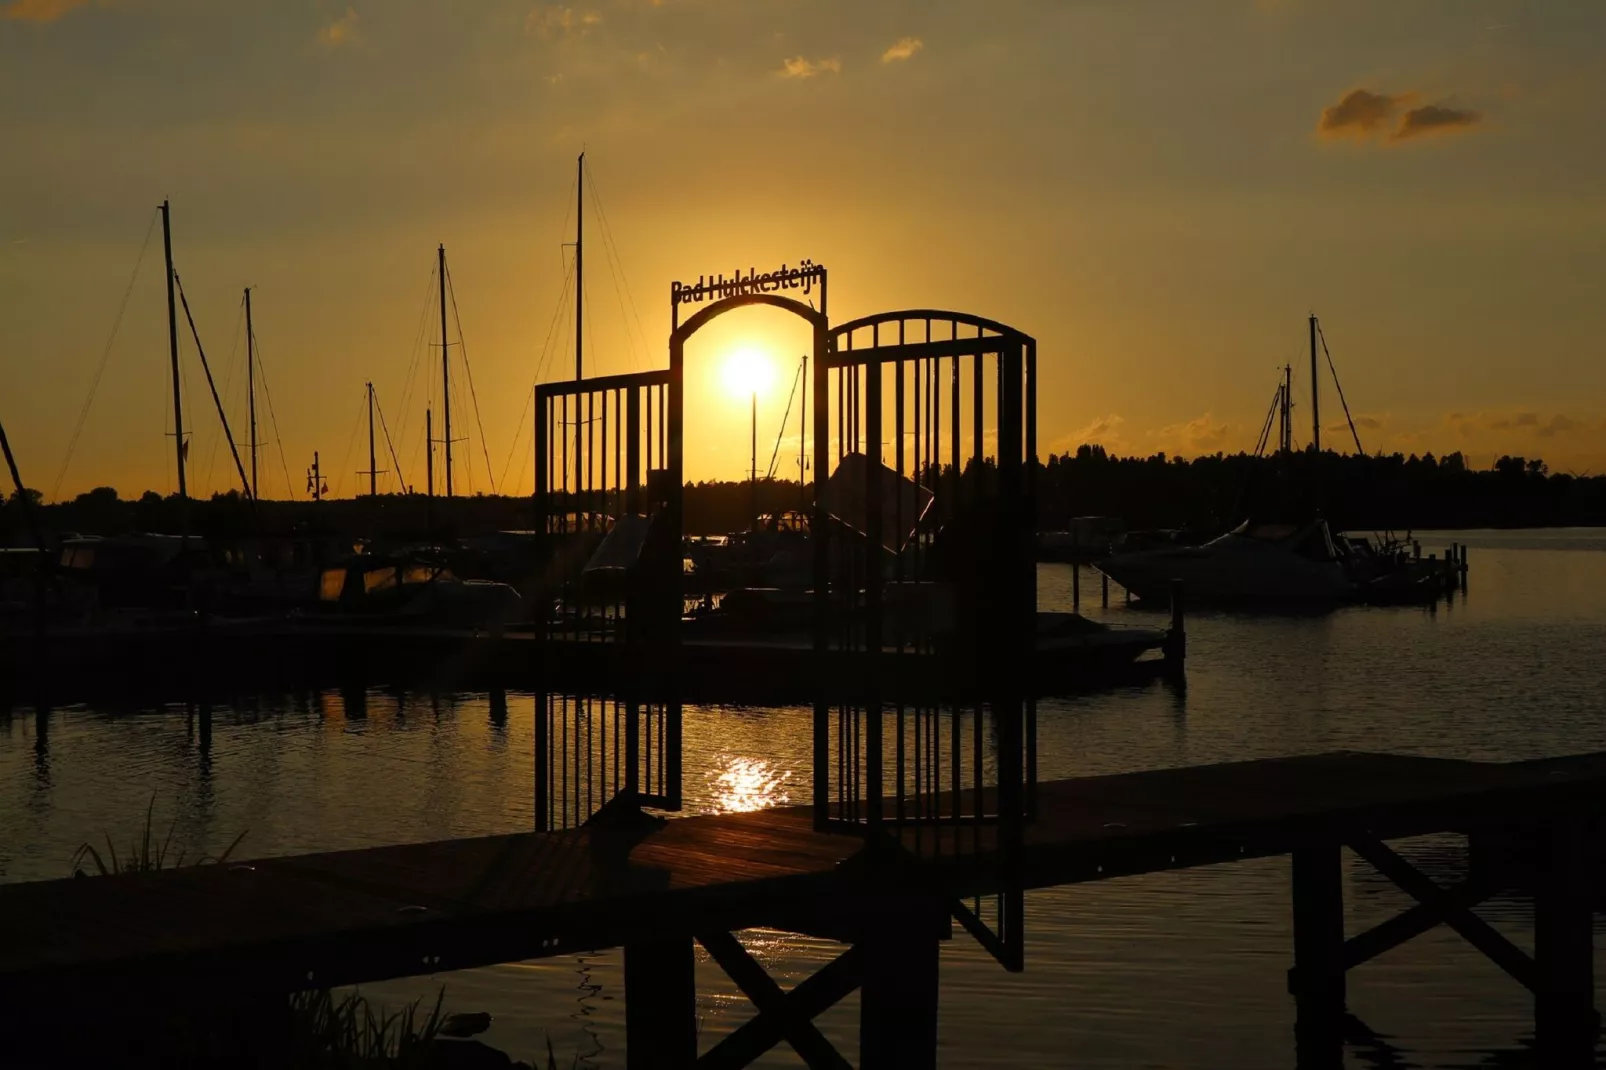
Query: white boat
(1258,563)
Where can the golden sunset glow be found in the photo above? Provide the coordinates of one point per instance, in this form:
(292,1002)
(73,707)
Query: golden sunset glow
(748,372)
(1426,180)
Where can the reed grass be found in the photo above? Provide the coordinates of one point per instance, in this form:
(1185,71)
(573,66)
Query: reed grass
(146,854)
(344,1033)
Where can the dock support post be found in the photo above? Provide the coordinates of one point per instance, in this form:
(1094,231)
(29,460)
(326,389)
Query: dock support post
(1565,1023)
(660,1005)
(1318,978)
(1076,587)
(1104,590)
(898,1000)
(1176,642)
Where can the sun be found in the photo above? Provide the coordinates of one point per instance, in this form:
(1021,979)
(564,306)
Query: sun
(748,372)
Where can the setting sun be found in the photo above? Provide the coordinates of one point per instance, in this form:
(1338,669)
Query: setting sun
(748,371)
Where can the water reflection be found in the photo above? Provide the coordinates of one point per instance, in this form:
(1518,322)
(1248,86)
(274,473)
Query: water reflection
(740,785)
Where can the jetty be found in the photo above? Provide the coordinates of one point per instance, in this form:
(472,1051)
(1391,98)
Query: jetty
(224,935)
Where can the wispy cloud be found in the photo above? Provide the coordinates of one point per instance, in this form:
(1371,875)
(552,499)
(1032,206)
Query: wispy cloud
(798,67)
(903,48)
(1363,115)
(342,31)
(1434,119)
(557,21)
(1202,434)
(39,10)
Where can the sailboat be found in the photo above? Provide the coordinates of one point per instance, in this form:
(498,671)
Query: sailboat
(1302,562)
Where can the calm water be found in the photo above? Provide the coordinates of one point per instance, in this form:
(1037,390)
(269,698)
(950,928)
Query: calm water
(1174,970)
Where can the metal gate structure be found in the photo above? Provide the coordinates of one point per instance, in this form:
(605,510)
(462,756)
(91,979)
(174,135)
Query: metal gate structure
(608,504)
(925,595)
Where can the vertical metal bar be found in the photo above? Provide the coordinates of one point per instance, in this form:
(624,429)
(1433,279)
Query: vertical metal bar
(820,535)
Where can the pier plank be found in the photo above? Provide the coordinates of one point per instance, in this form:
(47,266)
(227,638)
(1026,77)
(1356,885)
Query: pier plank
(419,908)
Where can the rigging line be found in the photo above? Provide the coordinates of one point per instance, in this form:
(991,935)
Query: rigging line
(1271,416)
(211,385)
(228,383)
(517,432)
(790,397)
(552,329)
(273,417)
(462,346)
(414,359)
(607,233)
(1353,433)
(394,460)
(105,356)
(362,410)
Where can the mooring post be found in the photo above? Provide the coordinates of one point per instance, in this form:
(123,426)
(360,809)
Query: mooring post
(660,1005)
(1416,550)
(1463,564)
(1317,980)
(898,997)
(1176,643)
(1565,1023)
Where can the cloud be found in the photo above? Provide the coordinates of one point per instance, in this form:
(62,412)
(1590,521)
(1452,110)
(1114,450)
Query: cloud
(1102,431)
(342,31)
(1363,422)
(1434,119)
(1362,115)
(1522,422)
(1359,114)
(903,48)
(798,67)
(1202,434)
(558,21)
(39,10)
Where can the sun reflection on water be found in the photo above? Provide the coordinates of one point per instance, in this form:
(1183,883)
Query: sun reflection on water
(740,785)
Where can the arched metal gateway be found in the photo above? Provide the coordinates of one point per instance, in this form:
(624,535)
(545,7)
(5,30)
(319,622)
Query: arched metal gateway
(923,599)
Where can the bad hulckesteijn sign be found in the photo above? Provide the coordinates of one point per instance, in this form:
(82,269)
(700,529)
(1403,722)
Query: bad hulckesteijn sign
(806,277)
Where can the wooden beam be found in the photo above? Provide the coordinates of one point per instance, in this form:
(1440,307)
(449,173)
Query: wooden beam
(1317,879)
(660,1005)
(1477,932)
(898,1002)
(810,998)
(1565,1023)
(768,996)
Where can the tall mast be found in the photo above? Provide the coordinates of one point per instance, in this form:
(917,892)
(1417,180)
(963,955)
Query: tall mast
(251,387)
(1285,428)
(802,436)
(579,297)
(172,347)
(446,377)
(579,267)
(373,469)
(1315,391)
(429,450)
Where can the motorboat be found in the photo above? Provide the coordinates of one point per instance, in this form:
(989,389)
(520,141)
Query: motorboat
(1252,563)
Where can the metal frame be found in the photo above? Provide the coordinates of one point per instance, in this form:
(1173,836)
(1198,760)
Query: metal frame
(599,444)
(960,774)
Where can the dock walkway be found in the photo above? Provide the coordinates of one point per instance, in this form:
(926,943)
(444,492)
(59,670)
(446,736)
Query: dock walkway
(277,925)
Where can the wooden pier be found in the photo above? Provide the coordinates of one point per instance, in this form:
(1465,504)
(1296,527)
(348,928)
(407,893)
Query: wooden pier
(229,935)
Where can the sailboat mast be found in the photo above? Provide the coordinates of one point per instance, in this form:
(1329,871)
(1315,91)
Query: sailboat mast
(446,377)
(373,468)
(1285,430)
(579,298)
(429,451)
(251,386)
(579,267)
(1315,392)
(172,348)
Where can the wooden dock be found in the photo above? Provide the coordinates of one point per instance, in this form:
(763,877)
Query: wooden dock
(241,930)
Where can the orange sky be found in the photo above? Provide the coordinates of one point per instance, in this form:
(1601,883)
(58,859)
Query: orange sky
(1158,191)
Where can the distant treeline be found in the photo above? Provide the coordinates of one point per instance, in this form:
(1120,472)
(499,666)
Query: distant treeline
(1204,493)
